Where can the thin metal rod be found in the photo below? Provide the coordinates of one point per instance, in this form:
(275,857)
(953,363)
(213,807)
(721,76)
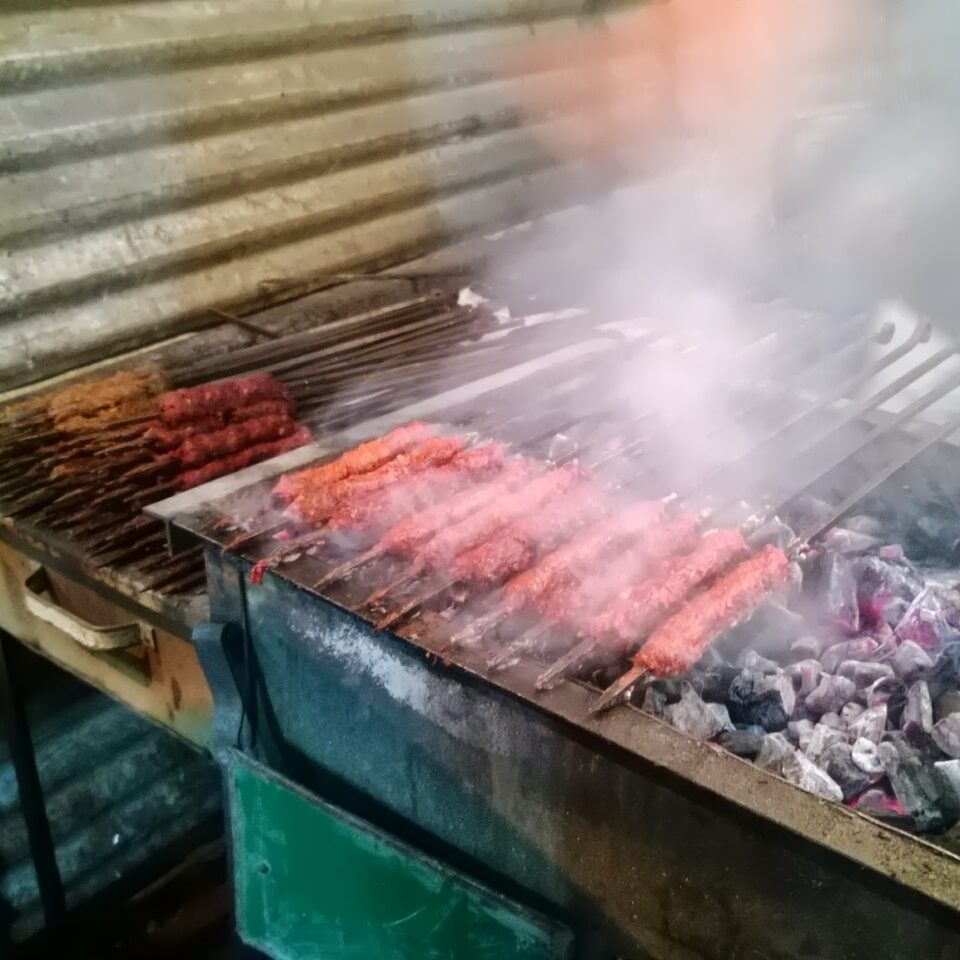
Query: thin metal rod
(28,784)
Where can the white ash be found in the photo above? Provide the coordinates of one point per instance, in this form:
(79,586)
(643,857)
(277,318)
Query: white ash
(870,725)
(864,673)
(910,659)
(949,771)
(723,716)
(862,648)
(807,647)
(774,749)
(850,712)
(918,710)
(805,675)
(782,684)
(834,720)
(654,701)
(800,732)
(830,695)
(946,735)
(879,693)
(752,661)
(866,755)
(808,776)
(946,704)
(821,740)
(694,717)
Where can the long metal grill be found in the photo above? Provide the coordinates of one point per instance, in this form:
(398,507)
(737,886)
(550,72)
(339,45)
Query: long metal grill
(86,485)
(823,431)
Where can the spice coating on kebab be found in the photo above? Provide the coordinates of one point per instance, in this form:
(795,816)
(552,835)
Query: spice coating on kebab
(199,450)
(243,459)
(404,537)
(571,560)
(362,459)
(515,549)
(441,551)
(643,606)
(383,508)
(572,603)
(678,643)
(317,504)
(191,403)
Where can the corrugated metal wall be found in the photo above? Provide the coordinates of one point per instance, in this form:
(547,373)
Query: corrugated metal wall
(159,158)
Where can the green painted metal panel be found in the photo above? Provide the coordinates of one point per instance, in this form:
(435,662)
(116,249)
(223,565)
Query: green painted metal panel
(313,881)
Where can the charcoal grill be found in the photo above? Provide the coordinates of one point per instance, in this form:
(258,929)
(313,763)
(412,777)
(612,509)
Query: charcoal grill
(649,843)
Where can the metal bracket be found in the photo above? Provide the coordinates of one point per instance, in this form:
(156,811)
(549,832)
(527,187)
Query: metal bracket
(212,641)
(40,601)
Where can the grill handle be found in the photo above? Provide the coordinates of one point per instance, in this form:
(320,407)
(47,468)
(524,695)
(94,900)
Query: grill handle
(40,601)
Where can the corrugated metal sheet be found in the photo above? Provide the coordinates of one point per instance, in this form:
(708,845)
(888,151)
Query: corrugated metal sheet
(159,158)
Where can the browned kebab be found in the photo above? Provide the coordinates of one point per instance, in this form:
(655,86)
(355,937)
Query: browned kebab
(317,502)
(574,601)
(679,642)
(370,513)
(642,606)
(362,459)
(565,564)
(404,537)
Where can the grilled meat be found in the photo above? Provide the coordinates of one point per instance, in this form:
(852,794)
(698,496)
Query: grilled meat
(572,603)
(382,508)
(317,504)
(638,610)
(199,450)
(179,406)
(244,458)
(362,459)
(163,438)
(678,643)
(404,537)
(513,550)
(439,552)
(570,561)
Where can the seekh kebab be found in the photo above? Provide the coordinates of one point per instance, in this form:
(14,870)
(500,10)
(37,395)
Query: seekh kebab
(679,642)
(640,608)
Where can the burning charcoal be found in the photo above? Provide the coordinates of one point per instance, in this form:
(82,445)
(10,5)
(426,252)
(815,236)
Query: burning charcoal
(774,749)
(945,675)
(915,785)
(807,647)
(692,716)
(946,704)
(864,674)
(883,691)
(834,720)
(918,709)
(752,661)
(800,732)
(749,704)
(770,631)
(850,712)
(823,737)
(946,735)
(885,590)
(712,684)
(879,804)
(835,587)
(871,526)
(866,755)
(808,776)
(723,716)
(774,532)
(805,676)
(949,773)
(837,760)
(910,659)
(743,743)
(782,684)
(830,695)
(893,552)
(929,620)
(870,724)
(654,700)
(862,649)
(846,542)
(936,536)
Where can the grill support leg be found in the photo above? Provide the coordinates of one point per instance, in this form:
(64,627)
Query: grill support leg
(28,784)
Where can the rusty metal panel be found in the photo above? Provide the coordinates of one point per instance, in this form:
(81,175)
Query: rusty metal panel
(161,158)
